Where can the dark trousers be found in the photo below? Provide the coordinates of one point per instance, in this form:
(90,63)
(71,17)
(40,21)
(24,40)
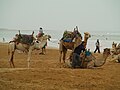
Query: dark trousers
(97,48)
(76,60)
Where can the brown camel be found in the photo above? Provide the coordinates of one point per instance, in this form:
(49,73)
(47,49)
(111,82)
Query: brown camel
(93,62)
(63,46)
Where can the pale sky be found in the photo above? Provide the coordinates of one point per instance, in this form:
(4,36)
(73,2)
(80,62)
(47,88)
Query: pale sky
(88,15)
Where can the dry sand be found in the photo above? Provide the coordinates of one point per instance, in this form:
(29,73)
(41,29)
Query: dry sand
(46,74)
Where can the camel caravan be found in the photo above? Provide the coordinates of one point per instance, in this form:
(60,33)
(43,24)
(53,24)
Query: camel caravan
(26,43)
(72,40)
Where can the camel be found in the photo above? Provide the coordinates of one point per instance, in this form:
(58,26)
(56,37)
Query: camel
(44,39)
(97,62)
(115,50)
(27,47)
(93,62)
(63,46)
(116,58)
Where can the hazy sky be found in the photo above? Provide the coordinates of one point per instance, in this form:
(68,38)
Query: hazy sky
(88,15)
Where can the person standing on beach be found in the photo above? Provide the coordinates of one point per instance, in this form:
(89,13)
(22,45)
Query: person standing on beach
(3,39)
(97,46)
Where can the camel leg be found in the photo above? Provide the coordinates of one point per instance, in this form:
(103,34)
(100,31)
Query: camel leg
(45,50)
(11,60)
(64,56)
(60,56)
(90,65)
(29,56)
(42,50)
(61,50)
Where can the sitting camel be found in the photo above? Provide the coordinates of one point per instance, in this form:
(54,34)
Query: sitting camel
(115,50)
(92,62)
(63,46)
(22,43)
(116,58)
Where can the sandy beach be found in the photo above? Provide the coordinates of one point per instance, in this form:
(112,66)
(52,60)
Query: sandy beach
(46,74)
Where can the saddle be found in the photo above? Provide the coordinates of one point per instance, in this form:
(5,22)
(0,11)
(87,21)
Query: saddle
(25,39)
(68,36)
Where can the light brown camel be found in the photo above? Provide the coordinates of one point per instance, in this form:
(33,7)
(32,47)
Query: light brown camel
(27,47)
(96,62)
(92,62)
(63,46)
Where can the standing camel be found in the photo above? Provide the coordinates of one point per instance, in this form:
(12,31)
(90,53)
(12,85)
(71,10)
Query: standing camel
(21,43)
(63,46)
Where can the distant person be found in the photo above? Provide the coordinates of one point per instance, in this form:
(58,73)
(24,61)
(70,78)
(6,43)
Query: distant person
(97,46)
(3,39)
(76,60)
(40,32)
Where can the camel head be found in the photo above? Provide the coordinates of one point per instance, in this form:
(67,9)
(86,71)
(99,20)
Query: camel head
(48,37)
(44,37)
(106,51)
(114,45)
(87,35)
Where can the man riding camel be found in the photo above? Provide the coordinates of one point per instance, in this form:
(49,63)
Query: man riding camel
(40,32)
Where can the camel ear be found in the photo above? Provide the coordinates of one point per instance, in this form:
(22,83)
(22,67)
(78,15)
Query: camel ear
(49,36)
(19,31)
(32,32)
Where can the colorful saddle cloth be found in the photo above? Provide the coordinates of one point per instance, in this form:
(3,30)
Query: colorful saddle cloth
(67,40)
(68,36)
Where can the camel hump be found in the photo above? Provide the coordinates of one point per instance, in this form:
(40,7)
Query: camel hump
(26,39)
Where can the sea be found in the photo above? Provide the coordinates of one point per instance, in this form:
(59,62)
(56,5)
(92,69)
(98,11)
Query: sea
(106,38)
